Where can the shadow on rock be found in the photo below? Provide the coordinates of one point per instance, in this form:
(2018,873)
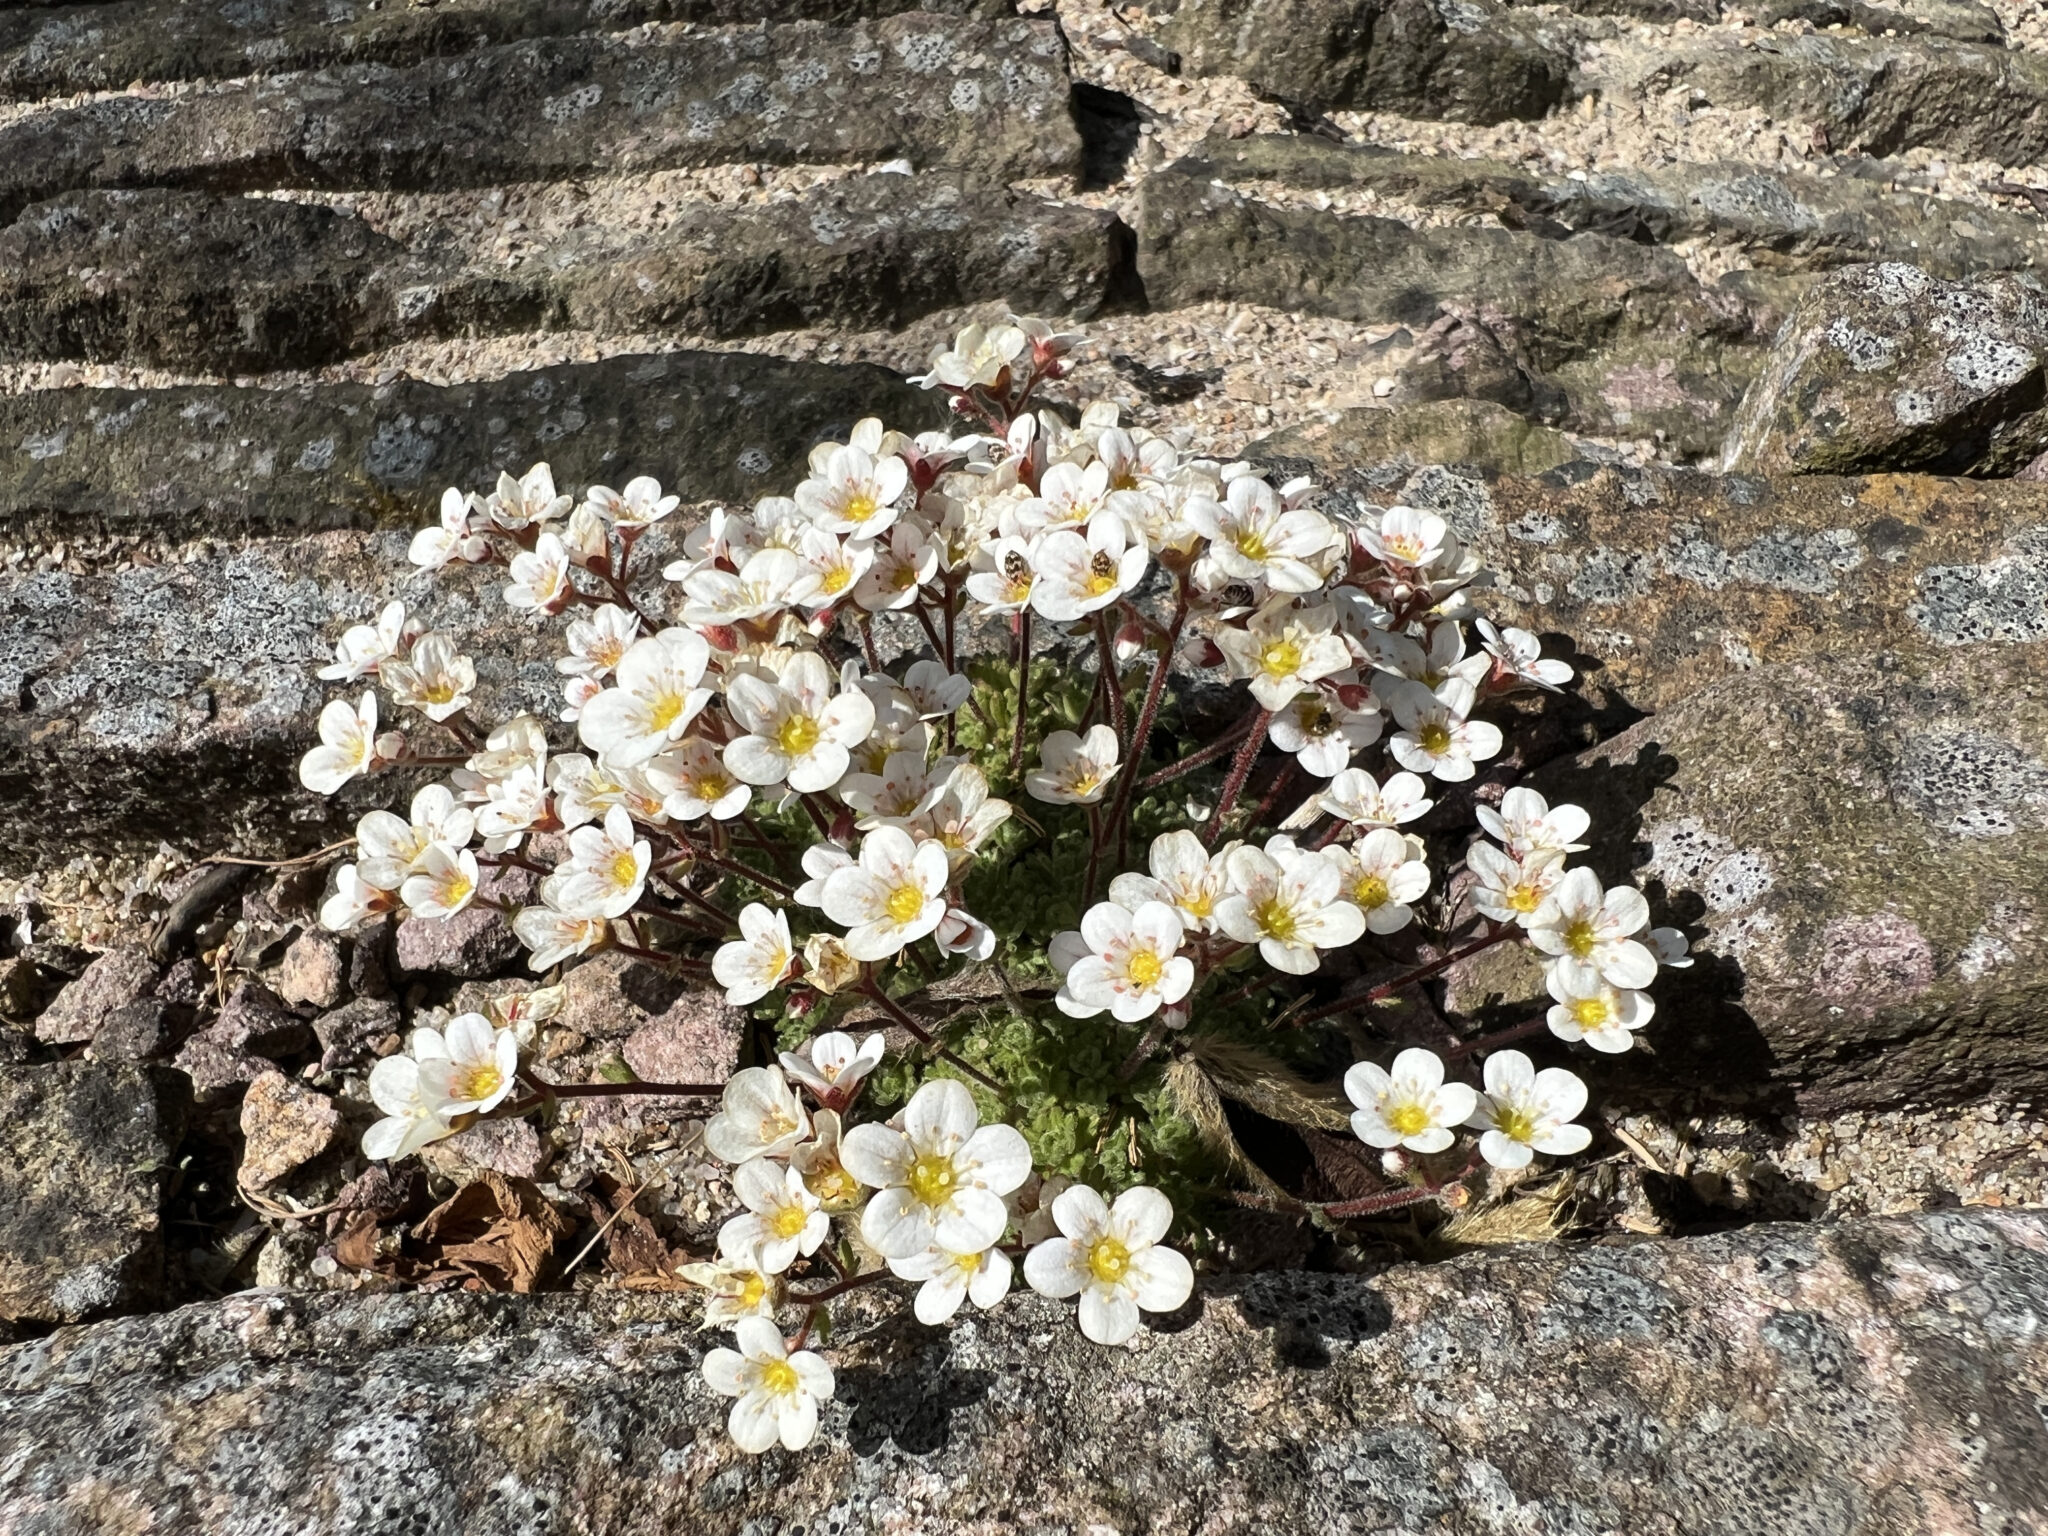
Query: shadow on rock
(911,1403)
(1307,1312)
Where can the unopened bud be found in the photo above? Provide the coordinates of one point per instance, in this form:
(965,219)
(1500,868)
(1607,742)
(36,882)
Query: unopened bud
(1395,1163)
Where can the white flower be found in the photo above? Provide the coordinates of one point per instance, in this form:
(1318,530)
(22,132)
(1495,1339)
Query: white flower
(656,697)
(824,1175)
(904,790)
(950,1278)
(778,1392)
(587,539)
(1526,823)
(1133,967)
(694,782)
(434,678)
(936,692)
(963,816)
(738,1285)
(757,962)
(836,1065)
(1185,875)
(364,648)
(895,894)
(939,1180)
(442,884)
(1435,737)
(1444,659)
(1669,946)
(1079,573)
(853,493)
(540,576)
(555,935)
(770,581)
(1253,536)
(599,643)
(1322,732)
(1111,1257)
(1383,876)
(1411,1107)
(1289,903)
(433,548)
(1283,649)
(348,745)
(354,899)
(821,861)
(1510,890)
(828,968)
(1406,536)
(960,932)
(608,866)
(905,560)
(1590,929)
(1074,770)
(783,1217)
(1517,654)
(1005,586)
(978,356)
(1524,1112)
(839,563)
(478,1070)
(1589,1009)
(391,849)
(800,729)
(640,505)
(1355,797)
(758,1116)
(413,1116)
(529,499)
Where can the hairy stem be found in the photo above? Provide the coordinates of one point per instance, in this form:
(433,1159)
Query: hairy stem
(1406,978)
(1023,692)
(1196,759)
(1240,770)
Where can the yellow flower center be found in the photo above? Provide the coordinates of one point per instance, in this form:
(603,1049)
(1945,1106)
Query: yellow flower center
(836,579)
(779,1378)
(1108,1260)
(790,1221)
(1198,904)
(752,1289)
(1084,782)
(1279,658)
(1275,919)
(832,1184)
(666,709)
(932,1179)
(1434,738)
(1591,1012)
(1251,543)
(797,735)
(439,691)
(1408,1119)
(713,786)
(776,1124)
(860,507)
(1513,1123)
(625,868)
(904,903)
(1524,898)
(1146,968)
(1580,939)
(1370,892)
(474,1084)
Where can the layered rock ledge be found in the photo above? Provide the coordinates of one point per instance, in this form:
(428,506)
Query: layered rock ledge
(1870,1379)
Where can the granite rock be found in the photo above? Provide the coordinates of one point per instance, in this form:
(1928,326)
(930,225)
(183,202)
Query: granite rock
(1872,1379)
(285,1125)
(116,978)
(86,1150)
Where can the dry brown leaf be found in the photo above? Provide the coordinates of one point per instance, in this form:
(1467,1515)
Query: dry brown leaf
(498,1231)
(633,1249)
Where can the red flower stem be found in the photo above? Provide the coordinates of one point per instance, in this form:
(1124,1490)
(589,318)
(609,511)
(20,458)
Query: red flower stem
(1240,770)
(1499,1037)
(1194,760)
(1281,782)
(1148,716)
(1405,979)
(1023,692)
(836,1289)
(889,1006)
(1112,679)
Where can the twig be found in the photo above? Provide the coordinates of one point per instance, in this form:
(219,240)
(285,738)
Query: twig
(598,1236)
(305,858)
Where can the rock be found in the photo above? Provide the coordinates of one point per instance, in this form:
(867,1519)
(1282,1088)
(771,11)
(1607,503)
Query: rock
(1792,221)
(1472,434)
(21,987)
(251,1034)
(119,976)
(1624,330)
(284,1126)
(670,1028)
(349,1034)
(86,1149)
(1655,583)
(510,1147)
(476,941)
(143,1030)
(105,45)
(222,460)
(1872,1377)
(1777,817)
(987,97)
(1471,61)
(313,971)
(370,960)
(233,284)
(1884,367)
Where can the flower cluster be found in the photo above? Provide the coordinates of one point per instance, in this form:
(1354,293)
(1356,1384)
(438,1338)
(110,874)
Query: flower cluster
(737,785)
